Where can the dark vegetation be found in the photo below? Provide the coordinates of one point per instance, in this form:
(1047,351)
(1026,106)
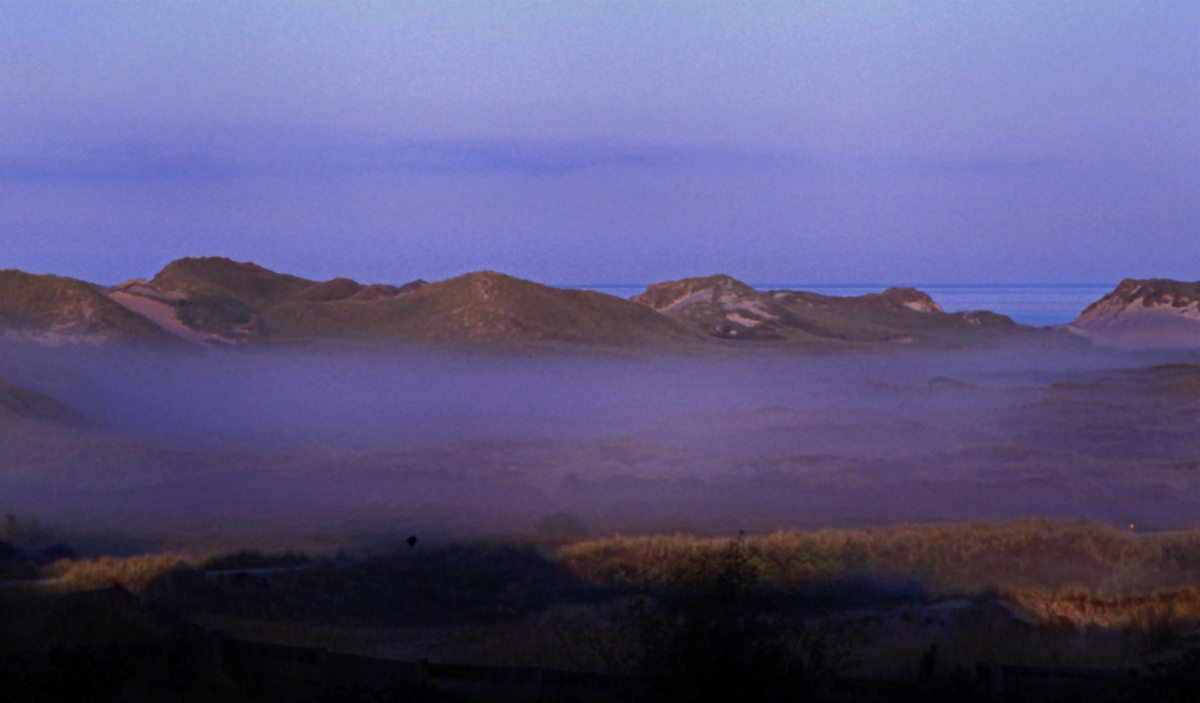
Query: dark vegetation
(725,638)
(699,620)
(454,585)
(250,559)
(213,314)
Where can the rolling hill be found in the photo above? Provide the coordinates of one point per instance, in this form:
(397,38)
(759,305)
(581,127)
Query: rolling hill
(1144,314)
(215,300)
(725,308)
(482,307)
(248,283)
(57,310)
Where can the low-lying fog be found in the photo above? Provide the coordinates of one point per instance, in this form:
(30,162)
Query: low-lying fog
(289,398)
(298,445)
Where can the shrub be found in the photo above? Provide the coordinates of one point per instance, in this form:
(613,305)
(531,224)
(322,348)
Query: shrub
(713,640)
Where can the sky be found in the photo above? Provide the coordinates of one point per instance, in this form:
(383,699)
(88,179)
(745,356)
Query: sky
(605,142)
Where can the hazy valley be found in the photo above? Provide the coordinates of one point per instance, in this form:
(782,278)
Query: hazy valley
(224,389)
(222,407)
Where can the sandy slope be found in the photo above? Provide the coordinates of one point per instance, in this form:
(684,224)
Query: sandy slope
(160,313)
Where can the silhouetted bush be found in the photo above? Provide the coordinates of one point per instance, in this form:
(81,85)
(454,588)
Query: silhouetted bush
(51,553)
(718,639)
(459,584)
(1182,678)
(248,559)
(9,553)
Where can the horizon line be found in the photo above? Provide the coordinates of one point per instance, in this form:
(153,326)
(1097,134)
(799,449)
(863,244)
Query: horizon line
(859,285)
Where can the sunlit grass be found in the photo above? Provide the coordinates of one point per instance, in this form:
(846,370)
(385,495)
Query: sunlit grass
(970,557)
(1074,593)
(135,574)
(1029,591)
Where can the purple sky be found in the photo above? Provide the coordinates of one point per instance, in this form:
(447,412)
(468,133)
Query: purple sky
(621,142)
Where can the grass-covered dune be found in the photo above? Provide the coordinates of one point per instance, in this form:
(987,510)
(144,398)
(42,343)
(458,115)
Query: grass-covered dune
(481,307)
(55,309)
(962,557)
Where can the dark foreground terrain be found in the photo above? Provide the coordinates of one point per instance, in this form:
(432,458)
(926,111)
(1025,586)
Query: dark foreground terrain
(1030,610)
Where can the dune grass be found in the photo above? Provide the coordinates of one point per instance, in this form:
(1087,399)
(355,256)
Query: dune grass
(961,556)
(1103,565)
(1024,592)
(136,574)
(1076,593)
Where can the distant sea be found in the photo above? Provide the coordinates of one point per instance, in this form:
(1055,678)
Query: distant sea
(1039,305)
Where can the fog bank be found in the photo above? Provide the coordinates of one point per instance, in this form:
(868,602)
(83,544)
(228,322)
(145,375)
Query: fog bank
(295,445)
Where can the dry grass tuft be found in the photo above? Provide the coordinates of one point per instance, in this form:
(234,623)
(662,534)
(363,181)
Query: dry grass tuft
(135,574)
(1076,593)
(959,558)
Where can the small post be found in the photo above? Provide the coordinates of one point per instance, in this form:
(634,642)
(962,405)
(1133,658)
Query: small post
(422,671)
